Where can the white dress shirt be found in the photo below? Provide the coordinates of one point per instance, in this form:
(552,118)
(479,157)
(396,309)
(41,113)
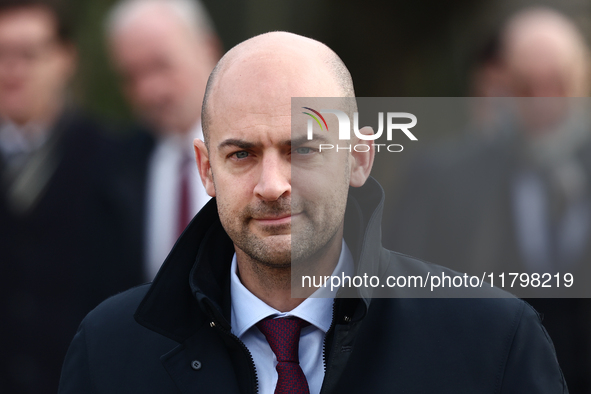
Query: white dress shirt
(247,310)
(163,199)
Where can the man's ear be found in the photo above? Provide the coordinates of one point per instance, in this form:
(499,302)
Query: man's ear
(204,165)
(361,162)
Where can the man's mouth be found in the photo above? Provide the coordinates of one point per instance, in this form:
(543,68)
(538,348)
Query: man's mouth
(274,220)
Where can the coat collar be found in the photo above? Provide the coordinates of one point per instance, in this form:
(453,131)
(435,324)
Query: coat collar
(196,274)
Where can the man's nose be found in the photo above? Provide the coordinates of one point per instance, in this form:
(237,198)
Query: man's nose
(149,88)
(274,179)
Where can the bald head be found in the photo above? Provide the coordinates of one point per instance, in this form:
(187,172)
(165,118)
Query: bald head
(190,13)
(545,54)
(164,50)
(276,66)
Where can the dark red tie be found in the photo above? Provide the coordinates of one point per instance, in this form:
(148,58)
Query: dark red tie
(283,336)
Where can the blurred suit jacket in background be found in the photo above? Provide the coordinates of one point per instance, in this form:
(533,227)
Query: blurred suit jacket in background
(60,252)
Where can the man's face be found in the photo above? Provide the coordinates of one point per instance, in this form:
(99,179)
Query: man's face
(34,65)
(278,197)
(164,68)
(542,66)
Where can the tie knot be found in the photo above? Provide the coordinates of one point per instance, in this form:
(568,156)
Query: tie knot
(283,336)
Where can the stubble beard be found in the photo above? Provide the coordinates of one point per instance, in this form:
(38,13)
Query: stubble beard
(290,245)
(274,250)
(293,246)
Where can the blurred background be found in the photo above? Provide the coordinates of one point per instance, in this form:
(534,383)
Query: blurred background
(397,48)
(98,110)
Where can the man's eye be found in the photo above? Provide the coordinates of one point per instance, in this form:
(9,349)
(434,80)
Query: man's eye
(241,155)
(303,150)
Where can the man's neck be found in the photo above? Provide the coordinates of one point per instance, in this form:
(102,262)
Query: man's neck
(24,135)
(273,285)
(39,121)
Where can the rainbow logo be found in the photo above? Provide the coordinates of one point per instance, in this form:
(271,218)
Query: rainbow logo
(315,118)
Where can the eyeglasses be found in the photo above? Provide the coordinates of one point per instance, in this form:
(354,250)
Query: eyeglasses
(29,53)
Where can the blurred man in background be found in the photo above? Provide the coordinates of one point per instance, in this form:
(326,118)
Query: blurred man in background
(520,202)
(55,261)
(164,52)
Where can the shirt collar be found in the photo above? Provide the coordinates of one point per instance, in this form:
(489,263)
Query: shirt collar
(247,309)
(16,139)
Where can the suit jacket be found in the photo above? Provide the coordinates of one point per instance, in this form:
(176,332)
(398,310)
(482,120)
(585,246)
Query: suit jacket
(456,209)
(127,195)
(150,338)
(59,253)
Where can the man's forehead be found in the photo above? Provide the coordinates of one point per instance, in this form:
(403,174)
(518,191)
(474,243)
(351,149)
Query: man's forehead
(153,26)
(264,124)
(275,77)
(253,88)
(34,19)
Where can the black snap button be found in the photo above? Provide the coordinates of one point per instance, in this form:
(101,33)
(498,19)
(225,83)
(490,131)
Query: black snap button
(196,365)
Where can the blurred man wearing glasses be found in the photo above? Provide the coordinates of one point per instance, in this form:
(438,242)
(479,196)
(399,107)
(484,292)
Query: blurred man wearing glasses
(54,264)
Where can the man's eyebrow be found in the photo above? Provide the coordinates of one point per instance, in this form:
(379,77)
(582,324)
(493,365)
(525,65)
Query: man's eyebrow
(234,142)
(242,144)
(317,138)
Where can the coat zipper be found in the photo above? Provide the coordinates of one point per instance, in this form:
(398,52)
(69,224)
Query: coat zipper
(329,332)
(243,346)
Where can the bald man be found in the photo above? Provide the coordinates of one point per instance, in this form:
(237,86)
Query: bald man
(545,55)
(220,316)
(164,51)
(520,201)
